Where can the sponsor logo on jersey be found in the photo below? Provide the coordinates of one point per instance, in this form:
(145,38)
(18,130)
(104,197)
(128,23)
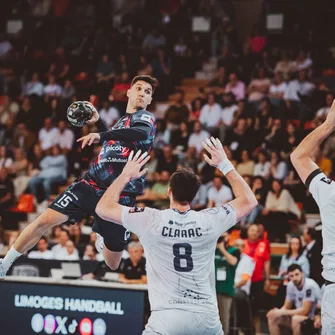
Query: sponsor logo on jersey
(146,118)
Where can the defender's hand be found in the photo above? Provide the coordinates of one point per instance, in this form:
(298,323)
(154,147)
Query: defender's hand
(95,117)
(89,139)
(215,149)
(132,169)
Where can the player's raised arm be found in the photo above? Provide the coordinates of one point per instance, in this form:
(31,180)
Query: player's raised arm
(301,157)
(245,200)
(108,207)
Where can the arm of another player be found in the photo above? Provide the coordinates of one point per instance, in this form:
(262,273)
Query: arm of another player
(108,207)
(245,200)
(301,157)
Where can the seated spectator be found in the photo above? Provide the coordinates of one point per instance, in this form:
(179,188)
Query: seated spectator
(275,140)
(19,170)
(219,82)
(189,160)
(62,236)
(132,270)
(64,137)
(180,48)
(237,138)
(294,255)
(109,114)
(279,208)
(119,92)
(264,117)
(6,191)
(259,86)
(229,114)
(8,109)
(70,253)
(105,74)
(33,87)
(25,114)
(242,314)
(210,114)
(285,65)
(294,137)
(5,159)
(76,235)
(59,67)
(296,90)
(52,89)
(152,41)
(68,91)
(278,168)
(277,89)
(303,62)
(226,260)
(198,136)
(196,106)
(168,161)
(23,138)
(200,200)
(47,135)
(53,170)
(180,137)
(90,253)
(262,167)
(236,87)
(259,189)
(42,250)
(322,113)
(304,294)
(219,194)
(159,190)
(177,112)
(152,167)
(246,166)
(34,160)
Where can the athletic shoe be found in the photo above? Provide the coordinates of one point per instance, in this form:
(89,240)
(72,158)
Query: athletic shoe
(3,271)
(99,243)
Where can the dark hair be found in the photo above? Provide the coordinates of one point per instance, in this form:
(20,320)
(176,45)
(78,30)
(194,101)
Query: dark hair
(148,79)
(311,232)
(67,232)
(184,184)
(294,267)
(44,238)
(300,250)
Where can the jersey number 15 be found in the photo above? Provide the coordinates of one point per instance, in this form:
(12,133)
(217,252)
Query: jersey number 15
(182,262)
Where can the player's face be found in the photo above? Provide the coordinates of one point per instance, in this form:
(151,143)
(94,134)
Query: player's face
(140,95)
(296,277)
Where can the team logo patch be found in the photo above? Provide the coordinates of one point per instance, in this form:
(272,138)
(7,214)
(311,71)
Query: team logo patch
(136,209)
(308,293)
(146,118)
(326,180)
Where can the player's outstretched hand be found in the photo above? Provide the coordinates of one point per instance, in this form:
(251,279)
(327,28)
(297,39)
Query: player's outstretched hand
(134,165)
(89,139)
(95,117)
(331,114)
(215,149)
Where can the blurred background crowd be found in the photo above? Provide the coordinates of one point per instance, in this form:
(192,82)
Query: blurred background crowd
(259,86)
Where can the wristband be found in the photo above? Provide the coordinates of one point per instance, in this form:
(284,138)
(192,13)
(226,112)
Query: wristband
(226,166)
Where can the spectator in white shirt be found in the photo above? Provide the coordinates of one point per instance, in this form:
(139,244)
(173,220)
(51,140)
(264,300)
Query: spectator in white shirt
(298,87)
(277,89)
(278,169)
(229,109)
(64,137)
(219,194)
(33,87)
(64,236)
(210,114)
(197,137)
(109,114)
(47,135)
(262,168)
(69,253)
(322,113)
(303,62)
(52,89)
(259,86)
(42,250)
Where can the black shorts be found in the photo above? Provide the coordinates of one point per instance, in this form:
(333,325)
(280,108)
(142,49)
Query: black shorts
(80,201)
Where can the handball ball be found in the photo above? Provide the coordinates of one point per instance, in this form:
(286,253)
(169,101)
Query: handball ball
(78,113)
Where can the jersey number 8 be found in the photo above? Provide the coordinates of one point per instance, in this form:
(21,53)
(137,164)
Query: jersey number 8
(182,262)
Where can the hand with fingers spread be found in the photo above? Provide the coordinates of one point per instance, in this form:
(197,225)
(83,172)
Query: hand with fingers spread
(95,117)
(89,139)
(215,149)
(132,169)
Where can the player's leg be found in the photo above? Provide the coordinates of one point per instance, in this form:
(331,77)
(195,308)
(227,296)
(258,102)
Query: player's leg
(30,236)
(275,322)
(328,310)
(296,323)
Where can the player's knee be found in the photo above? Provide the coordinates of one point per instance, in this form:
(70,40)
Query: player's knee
(296,321)
(113,264)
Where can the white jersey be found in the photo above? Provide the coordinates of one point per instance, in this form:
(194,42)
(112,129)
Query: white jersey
(180,249)
(323,191)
